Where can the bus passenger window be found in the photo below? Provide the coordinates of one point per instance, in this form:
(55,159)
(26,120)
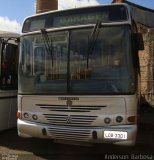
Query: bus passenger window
(5,73)
(9,67)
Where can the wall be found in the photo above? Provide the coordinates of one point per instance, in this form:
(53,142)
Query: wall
(147,64)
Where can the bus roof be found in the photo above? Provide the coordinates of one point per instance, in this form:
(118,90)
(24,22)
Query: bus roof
(77,8)
(142,14)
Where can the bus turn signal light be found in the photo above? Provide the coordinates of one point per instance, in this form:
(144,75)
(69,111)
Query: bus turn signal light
(18,115)
(131,119)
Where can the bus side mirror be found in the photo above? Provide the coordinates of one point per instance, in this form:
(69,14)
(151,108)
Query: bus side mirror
(139,43)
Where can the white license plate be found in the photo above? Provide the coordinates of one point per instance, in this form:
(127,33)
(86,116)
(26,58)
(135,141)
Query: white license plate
(115,135)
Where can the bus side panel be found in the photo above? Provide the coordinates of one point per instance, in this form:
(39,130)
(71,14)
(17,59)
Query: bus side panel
(4,113)
(13,110)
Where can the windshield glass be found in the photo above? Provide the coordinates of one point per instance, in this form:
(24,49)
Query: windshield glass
(79,61)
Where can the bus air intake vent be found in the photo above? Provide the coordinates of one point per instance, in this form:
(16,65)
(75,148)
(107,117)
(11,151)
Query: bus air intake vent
(71,133)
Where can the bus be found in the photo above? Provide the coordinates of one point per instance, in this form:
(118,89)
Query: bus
(79,76)
(8,79)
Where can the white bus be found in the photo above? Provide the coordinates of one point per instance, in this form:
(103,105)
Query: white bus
(78,76)
(8,79)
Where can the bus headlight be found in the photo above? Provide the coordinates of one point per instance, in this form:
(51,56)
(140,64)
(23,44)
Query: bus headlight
(107,120)
(26,115)
(34,116)
(119,119)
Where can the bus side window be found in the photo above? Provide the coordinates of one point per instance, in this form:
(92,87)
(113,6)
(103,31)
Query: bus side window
(9,67)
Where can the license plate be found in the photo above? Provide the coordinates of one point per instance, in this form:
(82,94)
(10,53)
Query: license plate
(115,135)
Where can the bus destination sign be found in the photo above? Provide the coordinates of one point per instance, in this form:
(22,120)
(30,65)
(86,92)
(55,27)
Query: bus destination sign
(81,19)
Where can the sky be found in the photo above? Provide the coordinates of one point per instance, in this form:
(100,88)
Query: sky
(13,12)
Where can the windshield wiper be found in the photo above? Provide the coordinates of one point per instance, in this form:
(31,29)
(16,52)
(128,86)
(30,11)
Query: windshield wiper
(92,41)
(48,43)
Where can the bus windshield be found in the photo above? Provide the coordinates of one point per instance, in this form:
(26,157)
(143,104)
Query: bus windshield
(67,66)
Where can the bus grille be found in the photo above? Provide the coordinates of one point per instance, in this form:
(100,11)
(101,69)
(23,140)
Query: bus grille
(73,134)
(73,108)
(70,119)
(69,115)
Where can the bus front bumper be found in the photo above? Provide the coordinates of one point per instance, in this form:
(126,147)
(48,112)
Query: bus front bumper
(120,135)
